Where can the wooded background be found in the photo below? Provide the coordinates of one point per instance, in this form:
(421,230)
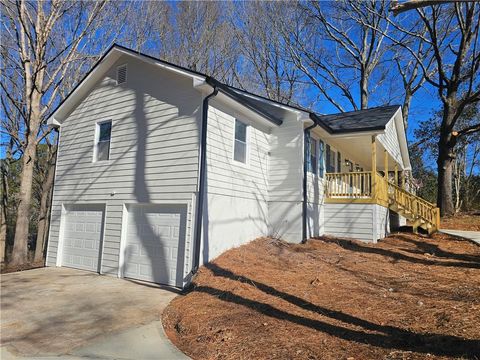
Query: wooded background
(328,56)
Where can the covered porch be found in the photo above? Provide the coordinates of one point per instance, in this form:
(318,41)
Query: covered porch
(374,174)
(365,165)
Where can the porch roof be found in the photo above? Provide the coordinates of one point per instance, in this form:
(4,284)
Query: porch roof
(360,120)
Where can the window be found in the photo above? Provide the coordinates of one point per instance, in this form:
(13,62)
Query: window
(330,157)
(312,155)
(321,158)
(102,144)
(339,162)
(240,142)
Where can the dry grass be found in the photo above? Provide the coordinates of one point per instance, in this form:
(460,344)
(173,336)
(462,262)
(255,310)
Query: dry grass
(462,222)
(408,297)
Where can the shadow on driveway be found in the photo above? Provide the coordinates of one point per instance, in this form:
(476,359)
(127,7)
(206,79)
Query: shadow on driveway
(51,311)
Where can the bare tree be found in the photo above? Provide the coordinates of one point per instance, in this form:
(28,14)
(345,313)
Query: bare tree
(45,178)
(453,32)
(4,168)
(263,65)
(194,34)
(410,68)
(398,8)
(147,25)
(43,44)
(337,52)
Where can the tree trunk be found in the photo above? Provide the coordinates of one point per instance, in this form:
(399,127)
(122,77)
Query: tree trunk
(3,210)
(3,233)
(20,249)
(406,107)
(363,90)
(444,196)
(446,145)
(43,216)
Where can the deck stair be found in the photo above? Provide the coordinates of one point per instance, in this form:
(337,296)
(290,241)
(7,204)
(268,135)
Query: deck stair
(421,213)
(373,187)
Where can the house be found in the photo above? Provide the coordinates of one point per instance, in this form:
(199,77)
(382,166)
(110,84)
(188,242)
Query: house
(161,169)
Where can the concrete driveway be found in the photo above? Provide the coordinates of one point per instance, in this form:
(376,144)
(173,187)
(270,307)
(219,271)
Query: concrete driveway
(53,312)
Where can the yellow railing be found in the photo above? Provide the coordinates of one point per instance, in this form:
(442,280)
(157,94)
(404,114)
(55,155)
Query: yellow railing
(349,185)
(415,205)
(380,195)
(364,186)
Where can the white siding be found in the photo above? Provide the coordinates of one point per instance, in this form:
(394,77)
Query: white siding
(153,158)
(316,198)
(381,222)
(285,180)
(236,207)
(389,140)
(229,177)
(366,222)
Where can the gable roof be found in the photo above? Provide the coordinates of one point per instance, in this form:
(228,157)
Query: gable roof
(359,120)
(373,119)
(267,111)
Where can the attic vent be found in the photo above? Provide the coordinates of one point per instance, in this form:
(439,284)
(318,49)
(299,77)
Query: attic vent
(122,74)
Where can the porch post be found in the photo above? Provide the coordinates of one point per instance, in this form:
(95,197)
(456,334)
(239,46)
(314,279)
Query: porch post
(385,163)
(396,174)
(374,166)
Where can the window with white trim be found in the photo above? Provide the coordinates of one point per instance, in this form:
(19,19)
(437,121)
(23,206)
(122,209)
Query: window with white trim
(102,140)
(312,155)
(240,142)
(321,158)
(330,159)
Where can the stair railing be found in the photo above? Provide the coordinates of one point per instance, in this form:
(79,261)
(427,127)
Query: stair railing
(416,206)
(375,187)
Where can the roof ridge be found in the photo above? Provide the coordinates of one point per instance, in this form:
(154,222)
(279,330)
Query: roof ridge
(361,110)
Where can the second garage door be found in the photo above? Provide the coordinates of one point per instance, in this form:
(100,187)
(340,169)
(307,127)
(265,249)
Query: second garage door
(155,243)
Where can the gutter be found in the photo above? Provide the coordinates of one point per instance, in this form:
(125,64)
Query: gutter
(201,180)
(248,104)
(306,136)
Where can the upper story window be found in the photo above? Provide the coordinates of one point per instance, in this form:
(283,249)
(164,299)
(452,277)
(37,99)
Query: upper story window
(321,158)
(240,142)
(103,135)
(312,156)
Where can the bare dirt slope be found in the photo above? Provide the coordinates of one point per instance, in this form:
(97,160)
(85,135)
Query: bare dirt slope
(408,297)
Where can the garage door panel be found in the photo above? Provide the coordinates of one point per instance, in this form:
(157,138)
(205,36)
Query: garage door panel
(82,236)
(154,248)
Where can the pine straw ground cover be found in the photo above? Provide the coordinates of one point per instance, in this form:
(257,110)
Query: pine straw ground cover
(407,297)
(462,222)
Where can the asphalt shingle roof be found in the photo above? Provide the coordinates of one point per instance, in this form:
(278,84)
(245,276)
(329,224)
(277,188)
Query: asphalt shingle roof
(360,120)
(354,121)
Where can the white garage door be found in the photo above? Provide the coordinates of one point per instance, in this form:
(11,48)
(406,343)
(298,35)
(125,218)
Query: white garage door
(82,237)
(155,243)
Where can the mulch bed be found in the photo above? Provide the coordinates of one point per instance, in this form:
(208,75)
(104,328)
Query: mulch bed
(407,297)
(28,266)
(462,222)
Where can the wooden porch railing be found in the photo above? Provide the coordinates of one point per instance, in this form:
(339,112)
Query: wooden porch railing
(349,185)
(366,186)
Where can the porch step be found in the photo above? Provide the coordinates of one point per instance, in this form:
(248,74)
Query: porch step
(421,213)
